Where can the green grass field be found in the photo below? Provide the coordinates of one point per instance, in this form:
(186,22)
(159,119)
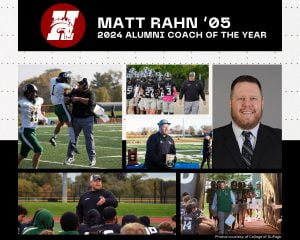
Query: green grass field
(108,142)
(53,115)
(188,152)
(138,209)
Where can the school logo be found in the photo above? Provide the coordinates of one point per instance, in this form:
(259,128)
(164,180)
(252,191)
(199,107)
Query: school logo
(63,25)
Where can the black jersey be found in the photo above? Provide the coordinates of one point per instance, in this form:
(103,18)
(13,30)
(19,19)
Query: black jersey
(130,90)
(149,89)
(168,88)
(190,223)
(151,230)
(107,229)
(182,209)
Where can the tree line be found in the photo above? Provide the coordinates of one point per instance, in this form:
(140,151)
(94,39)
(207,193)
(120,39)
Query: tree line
(121,184)
(179,72)
(106,86)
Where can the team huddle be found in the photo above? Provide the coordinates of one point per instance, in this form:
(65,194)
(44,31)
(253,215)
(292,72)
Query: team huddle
(150,92)
(96,214)
(80,118)
(236,204)
(42,223)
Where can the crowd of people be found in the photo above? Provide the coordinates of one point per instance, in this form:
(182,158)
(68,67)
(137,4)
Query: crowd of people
(151,92)
(42,223)
(241,203)
(95,214)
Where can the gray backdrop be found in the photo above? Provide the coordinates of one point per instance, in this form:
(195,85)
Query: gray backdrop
(270,79)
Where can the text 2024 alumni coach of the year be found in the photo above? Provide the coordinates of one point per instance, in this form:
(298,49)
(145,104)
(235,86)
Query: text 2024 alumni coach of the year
(246,143)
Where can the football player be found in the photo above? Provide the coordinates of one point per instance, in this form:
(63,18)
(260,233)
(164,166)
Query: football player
(130,92)
(170,94)
(141,93)
(190,220)
(60,88)
(30,109)
(159,93)
(149,88)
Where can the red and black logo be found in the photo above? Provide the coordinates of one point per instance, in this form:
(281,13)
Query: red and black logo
(63,25)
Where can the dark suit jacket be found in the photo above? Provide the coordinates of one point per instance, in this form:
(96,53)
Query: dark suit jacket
(267,153)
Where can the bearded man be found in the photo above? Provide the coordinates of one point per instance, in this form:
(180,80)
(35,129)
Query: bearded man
(246,143)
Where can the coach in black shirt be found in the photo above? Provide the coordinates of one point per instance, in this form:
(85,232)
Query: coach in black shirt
(158,146)
(83,102)
(98,198)
(191,90)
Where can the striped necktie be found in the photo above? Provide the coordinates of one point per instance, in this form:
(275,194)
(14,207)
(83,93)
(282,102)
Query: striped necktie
(247,150)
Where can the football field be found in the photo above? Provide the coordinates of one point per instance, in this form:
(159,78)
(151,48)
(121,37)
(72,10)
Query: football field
(138,209)
(187,152)
(108,144)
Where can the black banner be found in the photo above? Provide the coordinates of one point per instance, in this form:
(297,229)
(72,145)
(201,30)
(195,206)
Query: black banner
(93,25)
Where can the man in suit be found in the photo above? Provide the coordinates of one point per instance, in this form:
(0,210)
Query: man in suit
(246,143)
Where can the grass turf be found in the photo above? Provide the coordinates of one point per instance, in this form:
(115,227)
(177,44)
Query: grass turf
(138,209)
(108,144)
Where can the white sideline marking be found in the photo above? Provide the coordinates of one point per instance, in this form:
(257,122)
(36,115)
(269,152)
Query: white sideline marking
(60,163)
(79,145)
(66,135)
(76,165)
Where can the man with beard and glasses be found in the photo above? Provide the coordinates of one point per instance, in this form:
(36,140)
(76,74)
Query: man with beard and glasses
(246,143)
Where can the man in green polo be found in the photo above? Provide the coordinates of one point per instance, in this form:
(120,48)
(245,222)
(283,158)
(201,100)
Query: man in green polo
(223,203)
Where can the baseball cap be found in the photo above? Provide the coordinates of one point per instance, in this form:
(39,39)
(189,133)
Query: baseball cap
(163,121)
(192,74)
(95,177)
(109,213)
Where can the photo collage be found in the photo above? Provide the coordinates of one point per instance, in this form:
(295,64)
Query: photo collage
(150,149)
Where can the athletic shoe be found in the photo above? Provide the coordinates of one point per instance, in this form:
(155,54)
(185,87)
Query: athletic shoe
(69,161)
(74,148)
(53,141)
(92,163)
